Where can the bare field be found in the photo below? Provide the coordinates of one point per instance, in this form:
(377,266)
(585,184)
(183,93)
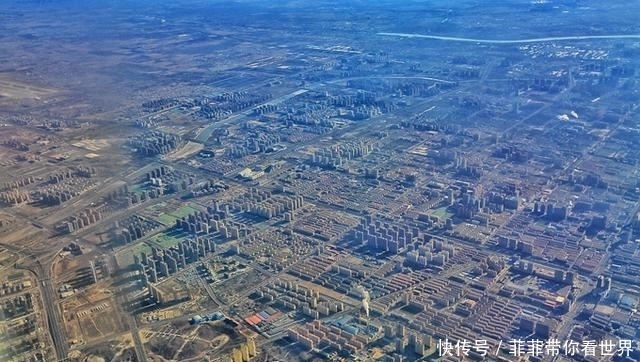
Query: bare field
(18,90)
(98,322)
(27,236)
(174,343)
(89,316)
(92,144)
(185,151)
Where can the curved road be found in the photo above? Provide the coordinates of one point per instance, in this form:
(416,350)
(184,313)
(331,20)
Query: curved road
(513,41)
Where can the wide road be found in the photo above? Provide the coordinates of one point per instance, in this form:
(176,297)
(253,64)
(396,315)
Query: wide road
(54,318)
(55,323)
(141,355)
(514,41)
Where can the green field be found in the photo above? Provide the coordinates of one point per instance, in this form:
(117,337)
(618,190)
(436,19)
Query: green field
(441,213)
(166,219)
(184,211)
(137,188)
(164,240)
(157,207)
(125,257)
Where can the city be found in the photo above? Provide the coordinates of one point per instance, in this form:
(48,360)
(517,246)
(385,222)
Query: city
(319,181)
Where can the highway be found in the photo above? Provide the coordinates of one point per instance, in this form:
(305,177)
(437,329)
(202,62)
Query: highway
(43,273)
(55,321)
(210,292)
(133,328)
